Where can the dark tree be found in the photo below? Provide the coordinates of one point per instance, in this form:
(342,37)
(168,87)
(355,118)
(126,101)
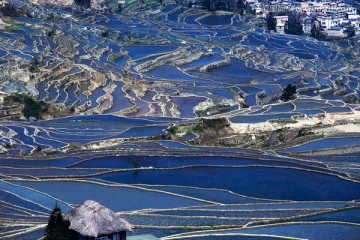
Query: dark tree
(7,145)
(271,22)
(58,227)
(34,65)
(50,17)
(240,4)
(350,30)
(32,107)
(51,32)
(316,30)
(38,149)
(83,3)
(227,5)
(294,24)
(105,33)
(249,9)
(205,4)
(9,10)
(288,93)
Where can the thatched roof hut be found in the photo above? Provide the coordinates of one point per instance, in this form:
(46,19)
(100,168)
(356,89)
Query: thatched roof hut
(91,220)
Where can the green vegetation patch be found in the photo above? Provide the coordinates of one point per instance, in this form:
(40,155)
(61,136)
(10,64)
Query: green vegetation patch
(13,26)
(304,132)
(34,66)
(210,124)
(259,24)
(32,107)
(215,124)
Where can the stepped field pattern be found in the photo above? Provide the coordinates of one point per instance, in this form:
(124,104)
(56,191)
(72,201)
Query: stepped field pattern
(129,78)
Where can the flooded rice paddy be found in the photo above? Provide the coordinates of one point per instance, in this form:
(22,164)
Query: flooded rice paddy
(148,75)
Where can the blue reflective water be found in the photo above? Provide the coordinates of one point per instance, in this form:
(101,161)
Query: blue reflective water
(186,105)
(62,162)
(170,162)
(310,231)
(33,196)
(112,197)
(2,53)
(237,68)
(326,143)
(343,216)
(217,20)
(273,183)
(137,51)
(146,131)
(169,73)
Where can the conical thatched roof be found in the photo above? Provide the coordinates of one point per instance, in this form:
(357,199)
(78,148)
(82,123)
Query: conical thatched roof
(91,219)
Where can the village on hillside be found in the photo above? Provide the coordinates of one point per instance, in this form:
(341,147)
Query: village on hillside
(336,18)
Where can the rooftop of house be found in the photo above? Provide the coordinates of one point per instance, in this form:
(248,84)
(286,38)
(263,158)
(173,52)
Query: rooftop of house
(91,219)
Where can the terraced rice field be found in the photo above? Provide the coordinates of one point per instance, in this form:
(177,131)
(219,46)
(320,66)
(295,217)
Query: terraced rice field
(158,67)
(207,188)
(239,59)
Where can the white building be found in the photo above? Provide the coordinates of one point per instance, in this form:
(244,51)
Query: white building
(260,13)
(353,17)
(330,21)
(280,23)
(307,24)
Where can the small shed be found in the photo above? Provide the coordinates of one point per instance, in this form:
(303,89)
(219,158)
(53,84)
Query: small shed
(93,221)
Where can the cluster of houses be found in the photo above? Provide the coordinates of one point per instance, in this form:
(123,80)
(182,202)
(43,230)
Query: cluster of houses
(334,16)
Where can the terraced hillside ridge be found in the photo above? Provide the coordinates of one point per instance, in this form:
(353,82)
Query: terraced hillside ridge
(191,124)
